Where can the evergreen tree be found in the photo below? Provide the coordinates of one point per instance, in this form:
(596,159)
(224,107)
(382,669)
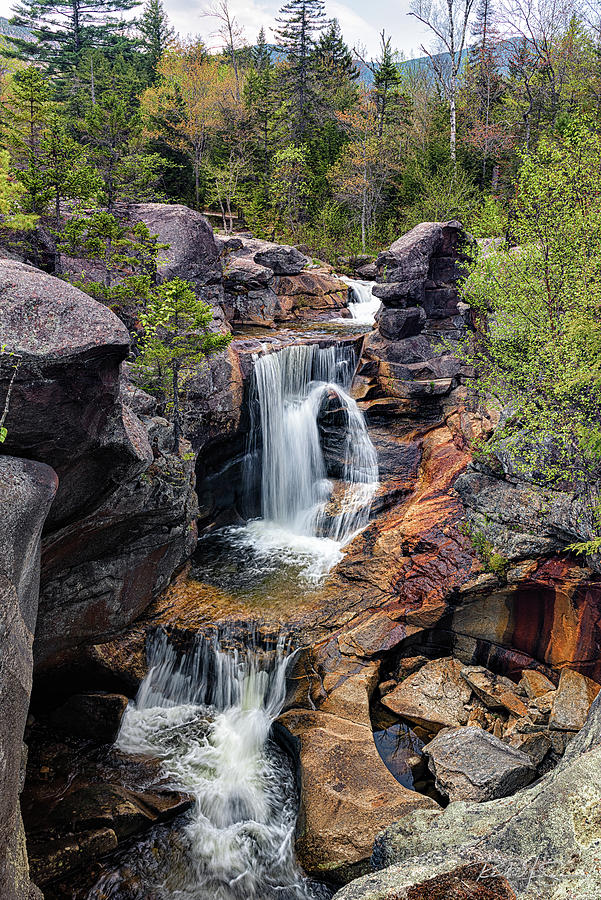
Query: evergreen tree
(157,34)
(387,82)
(333,55)
(64,28)
(261,53)
(177,339)
(300,21)
(336,70)
(25,110)
(265,105)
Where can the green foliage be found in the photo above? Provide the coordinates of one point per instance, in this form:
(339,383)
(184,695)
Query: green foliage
(538,357)
(490,220)
(176,340)
(125,259)
(11,198)
(157,34)
(65,28)
(442,194)
(492,561)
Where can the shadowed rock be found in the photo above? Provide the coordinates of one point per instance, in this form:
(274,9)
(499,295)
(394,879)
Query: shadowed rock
(27,489)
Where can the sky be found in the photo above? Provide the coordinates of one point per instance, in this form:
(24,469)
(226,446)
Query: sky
(361,23)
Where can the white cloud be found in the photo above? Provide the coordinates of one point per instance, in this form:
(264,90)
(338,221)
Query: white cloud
(407,33)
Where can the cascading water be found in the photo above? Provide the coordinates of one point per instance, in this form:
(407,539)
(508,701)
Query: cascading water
(292,385)
(363,306)
(207,715)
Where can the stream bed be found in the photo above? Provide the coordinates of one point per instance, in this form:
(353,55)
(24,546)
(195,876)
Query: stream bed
(207,715)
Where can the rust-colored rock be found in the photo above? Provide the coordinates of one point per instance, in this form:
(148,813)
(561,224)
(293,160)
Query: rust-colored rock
(347,794)
(475,882)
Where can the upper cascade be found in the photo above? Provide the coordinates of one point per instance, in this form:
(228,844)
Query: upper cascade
(293,388)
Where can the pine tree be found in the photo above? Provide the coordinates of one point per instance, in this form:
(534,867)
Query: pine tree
(25,110)
(387,81)
(300,21)
(64,28)
(177,339)
(264,104)
(333,55)
(157,34)
(336,71)
(261,53)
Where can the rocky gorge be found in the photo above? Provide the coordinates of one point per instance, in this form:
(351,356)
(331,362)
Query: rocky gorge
(432,707)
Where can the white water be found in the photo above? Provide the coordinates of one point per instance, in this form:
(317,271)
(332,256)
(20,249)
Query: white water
(297,515)
(207,715)
(364,306)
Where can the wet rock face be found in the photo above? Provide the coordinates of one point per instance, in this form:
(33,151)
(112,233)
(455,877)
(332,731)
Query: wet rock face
(27,489)
(81,801)
(95,716)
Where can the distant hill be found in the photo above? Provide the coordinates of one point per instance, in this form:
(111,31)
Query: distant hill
(15,31)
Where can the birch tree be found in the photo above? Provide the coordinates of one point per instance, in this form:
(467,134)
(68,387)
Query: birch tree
(449,22)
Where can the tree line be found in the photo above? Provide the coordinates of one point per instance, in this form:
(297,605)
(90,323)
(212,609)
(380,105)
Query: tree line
(299,137)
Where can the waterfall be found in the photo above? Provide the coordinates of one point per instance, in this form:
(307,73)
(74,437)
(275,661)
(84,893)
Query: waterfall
(292,385)
(207,715)
(363,306)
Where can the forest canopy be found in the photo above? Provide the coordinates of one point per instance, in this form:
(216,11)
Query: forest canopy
(298,136)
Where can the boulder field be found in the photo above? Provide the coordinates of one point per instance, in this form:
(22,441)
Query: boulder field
(492,665)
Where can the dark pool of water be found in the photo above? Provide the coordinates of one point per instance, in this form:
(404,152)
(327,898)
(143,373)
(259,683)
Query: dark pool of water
(396,744)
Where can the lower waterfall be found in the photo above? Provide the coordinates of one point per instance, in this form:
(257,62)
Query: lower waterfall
(207,715)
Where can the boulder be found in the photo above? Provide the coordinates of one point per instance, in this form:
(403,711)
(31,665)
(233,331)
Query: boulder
(400,294)
(572,701)
(545,837)
(282,259)
(436,696)
(253,307)
(535,684)
(27,490)
(64,407)
(191,254)
(409,256)
(347,794)
(495,691)
(94,716)
(242,274)
(471,764)
(397,324)
(309,293)
(367,272)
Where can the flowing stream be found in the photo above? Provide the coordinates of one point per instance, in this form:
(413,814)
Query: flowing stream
(207,715)
(301,396)
(363,306)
